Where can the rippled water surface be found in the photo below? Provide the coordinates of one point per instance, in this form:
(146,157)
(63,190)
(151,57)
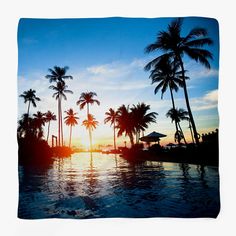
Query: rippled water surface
(85,186)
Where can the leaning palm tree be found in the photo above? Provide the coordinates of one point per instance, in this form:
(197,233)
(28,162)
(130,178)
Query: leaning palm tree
(49,116)
(90,124)
(178,115)
(58,74)
(87,98)
(112,116)
(71,120)
(60,90)
(30,97)
(141,118)
(174,45)
(167,74)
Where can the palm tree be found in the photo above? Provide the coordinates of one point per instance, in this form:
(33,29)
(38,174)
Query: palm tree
(125,123)
(112,117)
(38,123)
(85,99)
(90,124)
(23,129)
(178,115)
(167,74)
(58,74)
(49,116)
(30,97)
(61,89)
(174,45)
(71,120)
(141,118)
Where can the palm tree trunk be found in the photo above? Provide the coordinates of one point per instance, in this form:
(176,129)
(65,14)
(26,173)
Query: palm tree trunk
(182,134)
(28,108)
(90,139)
(173,104)
(70,135)
(87,109)
(114,136)
(48,130)
(59,123)
(187,103)
(62,141)
(190,127)
(131,139)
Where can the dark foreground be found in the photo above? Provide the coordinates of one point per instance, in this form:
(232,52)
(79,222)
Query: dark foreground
(92,186)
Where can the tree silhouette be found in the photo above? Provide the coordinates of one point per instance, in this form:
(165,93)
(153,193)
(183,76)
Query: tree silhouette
(49,116)
(125,123)
(141,118)
(71,120)
(112,116)
(178,115)
(30,97)
(38,123)
(174,45)
(60,90)
(58,74)
(90,124)
(167,74)
(87,98)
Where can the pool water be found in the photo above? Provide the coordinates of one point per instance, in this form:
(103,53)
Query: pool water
(99,185)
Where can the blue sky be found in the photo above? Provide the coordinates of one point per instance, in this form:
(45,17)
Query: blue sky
(107,56)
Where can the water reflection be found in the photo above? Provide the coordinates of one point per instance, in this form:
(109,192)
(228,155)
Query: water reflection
(89,185)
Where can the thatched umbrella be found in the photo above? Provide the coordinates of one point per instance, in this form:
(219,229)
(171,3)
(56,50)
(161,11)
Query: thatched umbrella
(153,137)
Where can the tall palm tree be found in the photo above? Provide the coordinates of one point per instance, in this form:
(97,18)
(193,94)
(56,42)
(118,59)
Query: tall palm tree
(112,117)
(167,74)
(71,120)
(141,118)
(60,90)
(49,116)
(125,123)
(30,97)
(90,124)
(174,45)
(58,74)
(38,122)
(87,98)
(178,115)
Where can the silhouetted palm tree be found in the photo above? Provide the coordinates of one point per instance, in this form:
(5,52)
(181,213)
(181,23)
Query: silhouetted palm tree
(86,99)
(49,116)
(125,123)
(58,74)
(90,124)
(167,74)
(178,115)
(71,120)
(61,89)
(112,117)
(30,97)
(176,46)
(141,118)
(23,129)
(38,123)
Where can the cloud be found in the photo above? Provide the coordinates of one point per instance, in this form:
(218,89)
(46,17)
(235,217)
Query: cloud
(197,71)
(208,101)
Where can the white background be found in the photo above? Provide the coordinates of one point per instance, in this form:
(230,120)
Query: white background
(10,13)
